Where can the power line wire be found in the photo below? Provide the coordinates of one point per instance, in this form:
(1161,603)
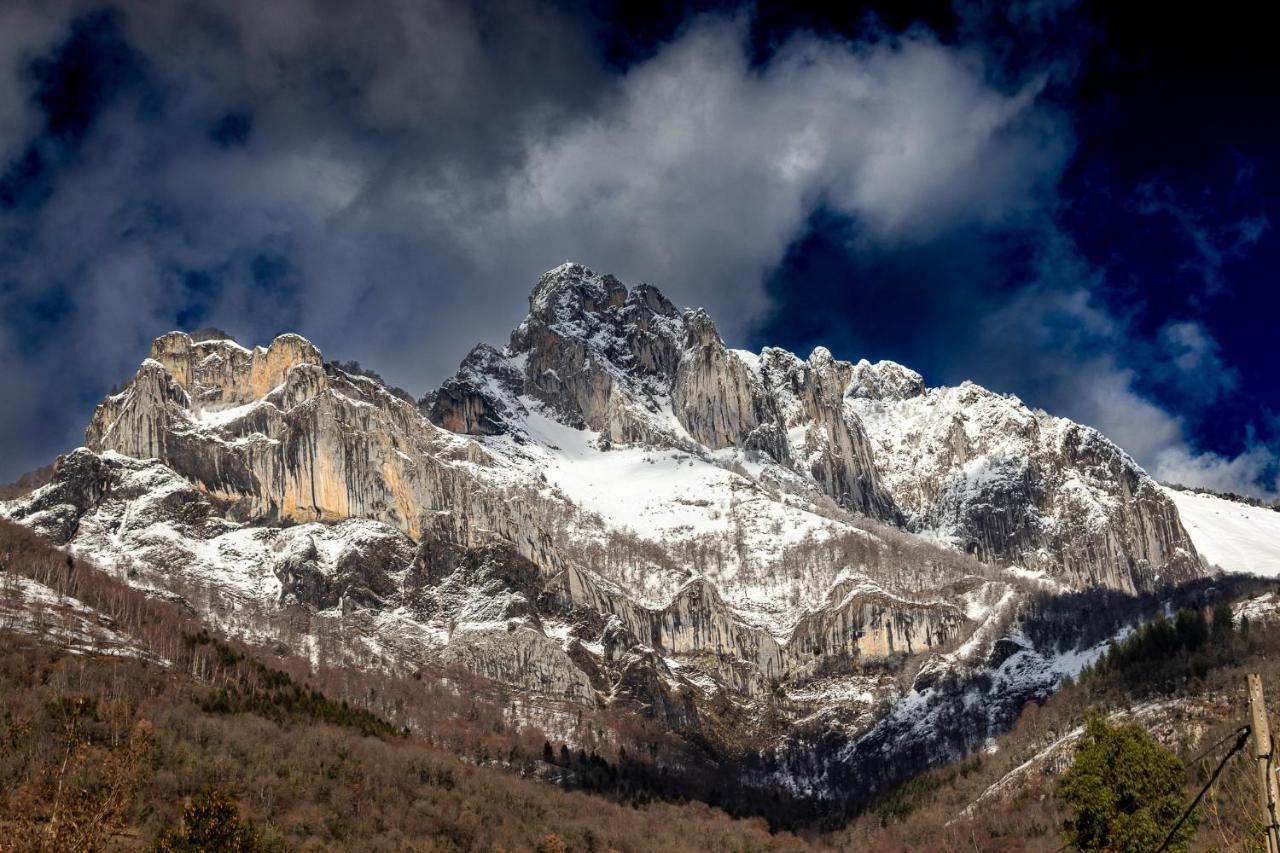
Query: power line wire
(1228,736)
(1239,745)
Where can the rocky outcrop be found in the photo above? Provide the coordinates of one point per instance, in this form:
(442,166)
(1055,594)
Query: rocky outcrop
(80,481)
(363,572)
(274,434)
(828,441)
(489,584)
(884,380)
(715,399)
(872,626)
(857,625)
(461,404)
(1142,538)
(1004,483)
(1014,485)
(986,475)
(318,444)
(627,364)
(699,621)
(520,656)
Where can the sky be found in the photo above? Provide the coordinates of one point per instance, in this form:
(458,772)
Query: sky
(1076,202)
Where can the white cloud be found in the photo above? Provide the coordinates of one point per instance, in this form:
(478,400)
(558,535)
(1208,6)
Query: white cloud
(704,169)
(1252,472)
(1197,369)
(432,191)
(1060,345)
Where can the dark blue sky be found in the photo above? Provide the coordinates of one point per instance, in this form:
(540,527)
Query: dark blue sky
(1166,212)
(1073,202)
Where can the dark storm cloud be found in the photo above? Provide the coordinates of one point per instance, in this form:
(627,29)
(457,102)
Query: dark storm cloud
(389,178)
(69,88)
(263,167)
(232,129)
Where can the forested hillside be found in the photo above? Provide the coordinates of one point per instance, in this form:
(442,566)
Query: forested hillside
(105,735)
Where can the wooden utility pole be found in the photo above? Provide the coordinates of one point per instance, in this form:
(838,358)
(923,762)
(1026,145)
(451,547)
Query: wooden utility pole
(1262,754)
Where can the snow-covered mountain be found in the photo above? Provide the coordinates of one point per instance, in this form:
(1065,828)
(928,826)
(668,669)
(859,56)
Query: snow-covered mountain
(964,465)
(615,510)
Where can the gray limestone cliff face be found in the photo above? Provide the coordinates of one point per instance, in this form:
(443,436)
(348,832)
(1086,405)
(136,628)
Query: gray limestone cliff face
(1014,485)
(698,626)
(276,435)
(1004,482)
(828,440)
(698,620)
(459,406)
(874,626)
(495,596)
(715,398)
(80,481)
(522,657)
(364,574)
(595,354)
(1143,540)
(140,514)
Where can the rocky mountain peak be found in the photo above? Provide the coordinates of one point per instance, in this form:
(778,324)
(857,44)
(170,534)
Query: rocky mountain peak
(700,331)
(627,365)
(591,352)
(871,437)
(623,332)
(885,380)
(221,372)
(649,298)
(821,357)
(280,433)
(571,292)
